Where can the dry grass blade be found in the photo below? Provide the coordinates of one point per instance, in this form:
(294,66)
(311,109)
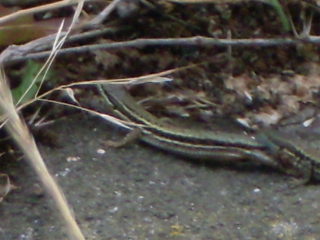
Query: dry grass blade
(20,133)
(58,43)
(5,185)
(22,136)
(113,120)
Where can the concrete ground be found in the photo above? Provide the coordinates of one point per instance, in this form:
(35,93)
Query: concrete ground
(140,193)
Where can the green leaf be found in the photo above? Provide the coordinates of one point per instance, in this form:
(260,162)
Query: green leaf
(282,15)
(27,74)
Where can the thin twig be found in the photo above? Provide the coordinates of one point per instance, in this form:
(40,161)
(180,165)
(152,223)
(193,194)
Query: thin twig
(104,14)
(45,43)
(197,41)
